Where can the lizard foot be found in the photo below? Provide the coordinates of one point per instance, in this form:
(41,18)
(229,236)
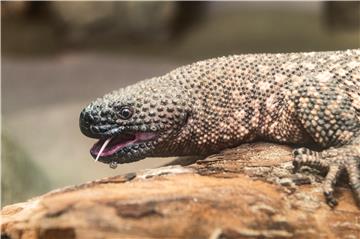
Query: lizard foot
(333,162)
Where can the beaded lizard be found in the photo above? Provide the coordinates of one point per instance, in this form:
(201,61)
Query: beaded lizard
(199,109)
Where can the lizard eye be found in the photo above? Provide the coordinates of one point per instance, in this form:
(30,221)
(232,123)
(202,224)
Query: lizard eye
(125,112)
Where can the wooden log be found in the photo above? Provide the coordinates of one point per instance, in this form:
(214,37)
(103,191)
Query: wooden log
(245,192)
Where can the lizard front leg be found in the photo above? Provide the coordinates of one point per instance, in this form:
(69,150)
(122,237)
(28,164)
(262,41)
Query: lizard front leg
(333,161)
(331,118)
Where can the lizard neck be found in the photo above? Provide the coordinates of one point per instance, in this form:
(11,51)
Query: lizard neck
(233,101)
(225,108)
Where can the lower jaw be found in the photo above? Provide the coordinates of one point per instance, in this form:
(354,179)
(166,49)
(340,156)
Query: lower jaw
(125,155)
(120,159)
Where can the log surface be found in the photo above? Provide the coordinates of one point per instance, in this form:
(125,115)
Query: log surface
(245,192)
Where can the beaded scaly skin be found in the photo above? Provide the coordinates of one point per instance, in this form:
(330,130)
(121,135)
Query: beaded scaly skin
(199,109)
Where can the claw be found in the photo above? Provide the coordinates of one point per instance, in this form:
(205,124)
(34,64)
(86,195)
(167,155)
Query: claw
(330,199)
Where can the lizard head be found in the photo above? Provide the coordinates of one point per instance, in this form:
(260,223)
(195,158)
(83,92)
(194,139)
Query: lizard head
(135,122)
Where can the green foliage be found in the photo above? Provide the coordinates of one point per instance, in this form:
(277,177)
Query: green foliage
(21,179)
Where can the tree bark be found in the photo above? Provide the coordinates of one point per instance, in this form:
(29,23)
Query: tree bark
(245,192)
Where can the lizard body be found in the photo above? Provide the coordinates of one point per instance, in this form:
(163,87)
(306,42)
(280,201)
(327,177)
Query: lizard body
(199,109)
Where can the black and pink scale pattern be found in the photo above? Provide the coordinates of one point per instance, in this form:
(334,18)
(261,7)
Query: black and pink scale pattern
(296,98)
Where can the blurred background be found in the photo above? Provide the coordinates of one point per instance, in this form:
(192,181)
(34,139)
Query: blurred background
(58,56)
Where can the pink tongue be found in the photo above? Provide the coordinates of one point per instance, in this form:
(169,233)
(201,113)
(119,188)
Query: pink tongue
(114,144)
(144,136)
(111,146)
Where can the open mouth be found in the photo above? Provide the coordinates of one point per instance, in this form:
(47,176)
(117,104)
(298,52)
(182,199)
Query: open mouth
(106,148)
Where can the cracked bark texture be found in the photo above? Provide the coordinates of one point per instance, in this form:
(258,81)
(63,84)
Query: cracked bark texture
(245,192)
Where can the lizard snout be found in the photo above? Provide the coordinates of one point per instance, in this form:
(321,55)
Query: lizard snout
(87,120)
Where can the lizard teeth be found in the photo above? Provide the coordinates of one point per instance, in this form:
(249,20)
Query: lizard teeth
(102,148)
